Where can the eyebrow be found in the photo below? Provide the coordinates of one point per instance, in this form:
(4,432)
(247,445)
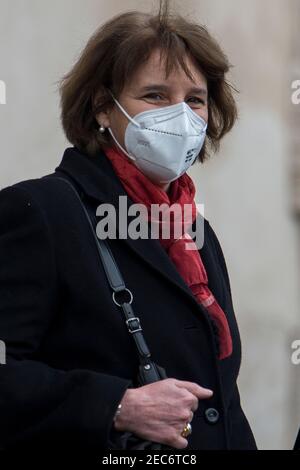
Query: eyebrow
(161,87)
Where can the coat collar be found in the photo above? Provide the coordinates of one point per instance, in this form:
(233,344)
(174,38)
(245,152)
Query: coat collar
(97,179)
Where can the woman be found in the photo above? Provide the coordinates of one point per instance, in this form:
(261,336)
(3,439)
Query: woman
(140,106)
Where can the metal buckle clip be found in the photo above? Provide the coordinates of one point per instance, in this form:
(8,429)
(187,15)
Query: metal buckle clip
(131,328)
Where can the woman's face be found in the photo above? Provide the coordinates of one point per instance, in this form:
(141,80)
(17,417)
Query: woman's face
(149,89)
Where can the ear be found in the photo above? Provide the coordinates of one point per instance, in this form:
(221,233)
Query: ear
(103,118)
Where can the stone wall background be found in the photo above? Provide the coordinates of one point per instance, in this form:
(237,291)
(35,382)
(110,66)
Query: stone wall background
(250,189)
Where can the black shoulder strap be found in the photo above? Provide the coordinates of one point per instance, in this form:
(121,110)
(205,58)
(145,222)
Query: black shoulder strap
(149,371)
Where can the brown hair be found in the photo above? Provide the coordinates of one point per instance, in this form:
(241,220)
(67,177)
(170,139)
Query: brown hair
(112,56)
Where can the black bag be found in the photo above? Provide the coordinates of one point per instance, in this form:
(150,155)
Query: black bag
(149,371)
(128,440)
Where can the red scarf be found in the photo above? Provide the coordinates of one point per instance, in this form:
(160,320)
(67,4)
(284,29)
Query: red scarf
(188,262)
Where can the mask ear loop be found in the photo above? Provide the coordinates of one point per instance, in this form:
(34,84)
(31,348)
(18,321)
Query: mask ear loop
(124,111)
(119,145)
(111,132)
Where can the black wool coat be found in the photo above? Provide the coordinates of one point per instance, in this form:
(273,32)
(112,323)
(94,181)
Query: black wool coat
(69,356)
(297,443)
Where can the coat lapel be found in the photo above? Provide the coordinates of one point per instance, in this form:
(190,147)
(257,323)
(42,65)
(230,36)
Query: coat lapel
(97,179)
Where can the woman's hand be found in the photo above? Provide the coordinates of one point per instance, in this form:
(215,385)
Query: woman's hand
(159,411)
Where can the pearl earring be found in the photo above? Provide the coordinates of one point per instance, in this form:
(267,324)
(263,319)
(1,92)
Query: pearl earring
(102,129)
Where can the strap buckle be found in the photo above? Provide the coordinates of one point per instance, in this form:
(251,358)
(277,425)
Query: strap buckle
(133,328)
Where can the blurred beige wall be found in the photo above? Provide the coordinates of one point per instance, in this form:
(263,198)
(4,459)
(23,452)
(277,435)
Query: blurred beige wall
(246,188)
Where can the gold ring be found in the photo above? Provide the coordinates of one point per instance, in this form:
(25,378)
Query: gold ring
(187,430)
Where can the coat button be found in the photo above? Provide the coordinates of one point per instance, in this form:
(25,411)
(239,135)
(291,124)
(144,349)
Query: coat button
(212,415)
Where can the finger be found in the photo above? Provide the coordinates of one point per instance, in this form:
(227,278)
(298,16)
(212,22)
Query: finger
(181,443)
(195,405)
(195,389)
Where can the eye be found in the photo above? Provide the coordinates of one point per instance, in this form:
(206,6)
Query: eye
(153,96)
(196,100)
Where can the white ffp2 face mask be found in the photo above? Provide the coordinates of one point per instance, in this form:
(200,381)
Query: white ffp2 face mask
(163,142)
